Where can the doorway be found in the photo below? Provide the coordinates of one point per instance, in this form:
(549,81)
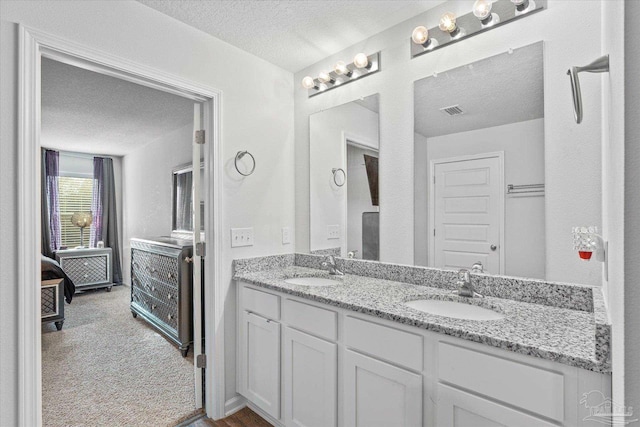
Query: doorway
(35,46)
(467,220)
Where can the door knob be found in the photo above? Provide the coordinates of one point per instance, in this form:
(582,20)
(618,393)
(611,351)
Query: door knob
(494,247)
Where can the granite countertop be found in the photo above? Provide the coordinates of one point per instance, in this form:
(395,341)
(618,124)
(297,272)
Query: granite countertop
(563,335)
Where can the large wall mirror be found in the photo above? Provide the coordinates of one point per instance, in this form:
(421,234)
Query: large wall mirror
(479,166)
(344,151)
(182,199)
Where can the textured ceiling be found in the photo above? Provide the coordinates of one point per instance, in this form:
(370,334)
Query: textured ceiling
(291,34)
(88,112)
(506,88)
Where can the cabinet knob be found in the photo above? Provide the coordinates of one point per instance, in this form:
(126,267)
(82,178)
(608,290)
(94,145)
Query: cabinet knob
(169,296)
(153,306)
(153,288)
(170,276)
(86,263)
(86,275)
(169,317)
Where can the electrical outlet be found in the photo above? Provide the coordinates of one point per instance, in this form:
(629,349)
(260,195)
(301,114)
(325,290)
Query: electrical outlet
(241,237)
(333,232)
(286,235)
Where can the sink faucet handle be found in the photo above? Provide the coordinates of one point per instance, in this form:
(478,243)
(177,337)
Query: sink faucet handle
(464,275)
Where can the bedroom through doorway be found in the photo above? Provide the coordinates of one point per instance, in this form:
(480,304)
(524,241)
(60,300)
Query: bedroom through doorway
(121,198)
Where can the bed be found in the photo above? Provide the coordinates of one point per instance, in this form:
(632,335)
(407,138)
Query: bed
(52,270)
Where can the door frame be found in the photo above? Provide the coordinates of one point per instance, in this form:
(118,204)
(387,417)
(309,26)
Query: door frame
(350,138)
(431,242)
(33,45)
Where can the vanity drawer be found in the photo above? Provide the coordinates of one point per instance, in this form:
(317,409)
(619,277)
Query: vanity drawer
(534,389)
(260,302)
(396,346)
(312,319)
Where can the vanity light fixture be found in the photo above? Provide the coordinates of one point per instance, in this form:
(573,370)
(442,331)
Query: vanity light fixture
(482,11)
(524,6)
(342,73)
(420,36)
(484,16)
(449,25)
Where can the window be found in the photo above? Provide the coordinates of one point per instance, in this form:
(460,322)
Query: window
(75,195)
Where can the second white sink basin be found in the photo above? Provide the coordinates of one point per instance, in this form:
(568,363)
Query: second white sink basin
(456,310)
(312,281)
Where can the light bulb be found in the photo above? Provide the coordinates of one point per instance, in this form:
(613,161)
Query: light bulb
(361,60)
(448,22)
(324,77)
(308,82)
(420,35)
(341,69)
(482,11)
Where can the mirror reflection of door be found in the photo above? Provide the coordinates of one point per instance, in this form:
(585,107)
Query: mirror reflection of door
(468,212)
(465,113)
(363,231)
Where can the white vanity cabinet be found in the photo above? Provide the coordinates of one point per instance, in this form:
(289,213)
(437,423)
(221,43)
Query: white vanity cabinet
(259,352)
(338,368)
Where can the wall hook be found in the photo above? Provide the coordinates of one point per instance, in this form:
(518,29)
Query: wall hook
(600,65)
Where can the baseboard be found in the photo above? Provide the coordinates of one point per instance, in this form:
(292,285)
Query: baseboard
(234,404)
(264,415)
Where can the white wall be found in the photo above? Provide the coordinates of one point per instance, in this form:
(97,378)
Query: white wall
(328,151)
(571,32)
(257,116)
(358,196)
(148,176)
(523,147)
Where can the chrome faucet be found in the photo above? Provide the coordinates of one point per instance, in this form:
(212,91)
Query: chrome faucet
(477,267)
(465,286)
(330,264)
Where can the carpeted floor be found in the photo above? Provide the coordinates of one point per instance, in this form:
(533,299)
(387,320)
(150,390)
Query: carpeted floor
(105,368)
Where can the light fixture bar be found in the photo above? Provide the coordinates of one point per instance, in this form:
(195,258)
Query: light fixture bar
(501,12)
(343,74)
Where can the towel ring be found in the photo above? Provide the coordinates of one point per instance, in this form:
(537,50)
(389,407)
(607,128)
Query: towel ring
(335,171)
(239,156)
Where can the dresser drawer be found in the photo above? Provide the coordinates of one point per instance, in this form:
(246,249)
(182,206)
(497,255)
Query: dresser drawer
(312,319)
(262,303)
(155,266)
(165,313)
(85,270)
(534,389)
(393,345)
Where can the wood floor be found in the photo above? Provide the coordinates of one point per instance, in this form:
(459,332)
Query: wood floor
(243,418)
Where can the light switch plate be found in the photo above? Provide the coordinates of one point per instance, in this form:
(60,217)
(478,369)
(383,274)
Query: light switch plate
(241,237)
(333,232)
(286,235)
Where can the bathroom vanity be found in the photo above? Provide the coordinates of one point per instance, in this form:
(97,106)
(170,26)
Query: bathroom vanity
(351,351)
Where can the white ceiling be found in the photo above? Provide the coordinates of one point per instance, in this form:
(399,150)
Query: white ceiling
(507,88)
(88,112)
(292,34)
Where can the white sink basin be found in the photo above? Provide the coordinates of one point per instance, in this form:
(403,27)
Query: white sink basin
(456,310)
(312,281)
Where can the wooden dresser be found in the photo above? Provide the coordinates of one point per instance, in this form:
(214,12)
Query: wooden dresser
(161,287)
(88,268)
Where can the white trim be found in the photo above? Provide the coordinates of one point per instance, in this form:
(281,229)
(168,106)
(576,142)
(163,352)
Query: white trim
(431,243)
(234,404)
(33,45)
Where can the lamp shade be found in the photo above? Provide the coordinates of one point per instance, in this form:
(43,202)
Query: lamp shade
(81,219)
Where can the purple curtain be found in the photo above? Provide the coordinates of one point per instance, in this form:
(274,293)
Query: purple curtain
(51,229)
(105,214)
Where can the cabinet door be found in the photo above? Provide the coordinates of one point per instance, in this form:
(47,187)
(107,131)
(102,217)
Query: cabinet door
(457,408)
(310,374)
(379,394)
(260,362)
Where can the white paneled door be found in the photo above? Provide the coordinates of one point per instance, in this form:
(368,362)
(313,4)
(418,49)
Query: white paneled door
(468,212)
